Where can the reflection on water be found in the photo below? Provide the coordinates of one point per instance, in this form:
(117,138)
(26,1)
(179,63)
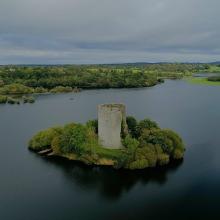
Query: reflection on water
(108,182)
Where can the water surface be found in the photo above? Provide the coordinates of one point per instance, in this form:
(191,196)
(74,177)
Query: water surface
(32,187)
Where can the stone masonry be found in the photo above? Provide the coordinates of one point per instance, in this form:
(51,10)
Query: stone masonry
(111,124)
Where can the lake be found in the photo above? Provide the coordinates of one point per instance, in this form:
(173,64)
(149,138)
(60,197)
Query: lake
(37,188)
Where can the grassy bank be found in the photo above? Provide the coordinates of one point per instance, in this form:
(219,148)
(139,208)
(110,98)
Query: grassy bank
(201,81)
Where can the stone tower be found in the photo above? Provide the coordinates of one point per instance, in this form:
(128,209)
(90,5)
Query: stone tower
(111,124)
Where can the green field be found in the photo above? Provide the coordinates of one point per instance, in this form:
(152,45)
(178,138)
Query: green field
(202,81)
(214,69)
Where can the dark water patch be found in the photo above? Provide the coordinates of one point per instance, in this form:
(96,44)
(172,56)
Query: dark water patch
(109,183)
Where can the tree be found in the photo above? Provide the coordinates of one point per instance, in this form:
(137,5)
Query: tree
(73,138)
(132,125)
(145,124)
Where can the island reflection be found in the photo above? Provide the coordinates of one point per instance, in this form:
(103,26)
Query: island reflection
(109,183)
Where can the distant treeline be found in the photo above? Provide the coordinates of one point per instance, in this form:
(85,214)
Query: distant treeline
(92,76)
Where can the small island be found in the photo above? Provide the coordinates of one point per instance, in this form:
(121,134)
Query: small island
(112,140)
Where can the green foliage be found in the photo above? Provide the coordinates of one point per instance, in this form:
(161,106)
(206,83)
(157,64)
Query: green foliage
(61,89)
(148,153)
(15,89)
(3,99)
(93,76)
(74,138)
(166,139)
(148,156)
(132,125)
(130,143)
(203,81)
(139,164)
(12,101)
(41,79)
(145,124)
(114,154)
(1,83)
(93,124)
(178,154)
(156,136)
(177,143)
(163,159)
(43,139)
(40,90)
(55,145)
(154,146)
(28,99)
(135,128)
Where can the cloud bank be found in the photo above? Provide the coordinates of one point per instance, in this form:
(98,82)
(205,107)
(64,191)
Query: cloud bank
(104,31)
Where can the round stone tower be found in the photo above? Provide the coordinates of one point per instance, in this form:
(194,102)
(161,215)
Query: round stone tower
(111,124)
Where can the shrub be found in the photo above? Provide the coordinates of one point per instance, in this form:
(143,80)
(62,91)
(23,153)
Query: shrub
(163,159)
(147,152)
(122,160)
(158,149)
(55,145)
(15,89)
(132,125)
(178,145)
(156,137)
(74,138)
(61,89)
(3,99)
(11,100)
(145,124)
(160,80)
(166,139)
(28,99)
(178,154)
(131,145)
(40,90)
(139,164)
(1,82)
(93,124)
(43,139)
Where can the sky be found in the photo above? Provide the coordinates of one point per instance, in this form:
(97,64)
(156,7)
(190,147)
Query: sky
(109,31)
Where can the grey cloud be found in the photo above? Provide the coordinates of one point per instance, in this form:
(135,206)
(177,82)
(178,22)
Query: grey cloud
(99,31)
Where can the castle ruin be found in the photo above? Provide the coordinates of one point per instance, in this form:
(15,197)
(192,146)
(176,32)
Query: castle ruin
(111,125)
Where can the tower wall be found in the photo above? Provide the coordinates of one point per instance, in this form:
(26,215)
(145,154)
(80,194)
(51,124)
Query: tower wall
(111,122)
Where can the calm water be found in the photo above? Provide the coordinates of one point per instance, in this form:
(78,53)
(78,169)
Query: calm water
(205,75)
(32,187)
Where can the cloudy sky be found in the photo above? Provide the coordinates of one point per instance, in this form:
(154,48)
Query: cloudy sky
(108,31)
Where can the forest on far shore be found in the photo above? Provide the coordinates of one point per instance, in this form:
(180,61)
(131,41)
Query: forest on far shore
(18,79)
